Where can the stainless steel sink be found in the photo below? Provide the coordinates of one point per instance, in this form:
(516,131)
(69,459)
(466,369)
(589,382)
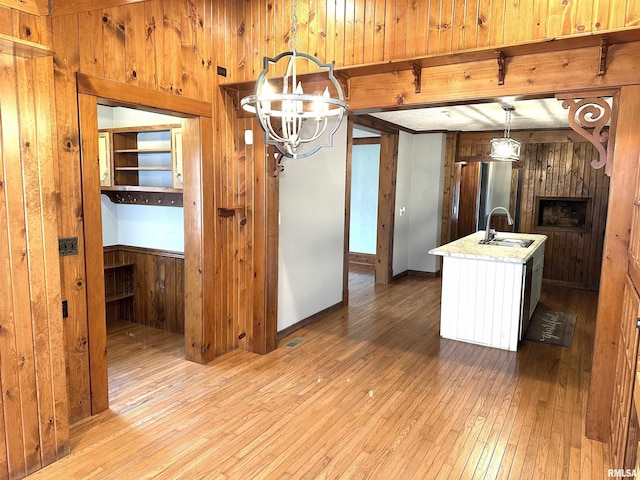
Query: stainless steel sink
(508,242)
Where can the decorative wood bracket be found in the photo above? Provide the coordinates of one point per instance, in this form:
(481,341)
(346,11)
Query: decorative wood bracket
(588,117)
(278,168)
(345,84)
(417,76)
(604,49)
(501,66)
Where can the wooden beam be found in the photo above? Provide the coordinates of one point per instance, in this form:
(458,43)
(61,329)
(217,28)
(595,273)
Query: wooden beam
(536,75)
(112,93)
(614,263)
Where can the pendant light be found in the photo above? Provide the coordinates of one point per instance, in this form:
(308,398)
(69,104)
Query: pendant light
(298,124)
(505,148)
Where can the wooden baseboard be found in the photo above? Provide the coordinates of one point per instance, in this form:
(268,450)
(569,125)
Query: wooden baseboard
(364,258)
(309,320)
(562,283)
(416,273)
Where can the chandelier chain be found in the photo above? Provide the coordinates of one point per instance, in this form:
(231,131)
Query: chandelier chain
(294,25)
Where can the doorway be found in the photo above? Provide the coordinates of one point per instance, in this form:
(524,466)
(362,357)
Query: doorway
(363,208)
(195,119)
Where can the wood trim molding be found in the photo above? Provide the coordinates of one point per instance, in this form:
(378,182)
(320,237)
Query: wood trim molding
(144,250)
(308,321)
(34,7)
(416,273)
(366,141)
(614,265)
(96,312)
(111,93)
(346,258)
(23,48)
(68,7)
(363,258)
(386,207)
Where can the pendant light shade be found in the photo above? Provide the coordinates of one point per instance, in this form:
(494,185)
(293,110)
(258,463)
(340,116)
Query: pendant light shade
(505,148)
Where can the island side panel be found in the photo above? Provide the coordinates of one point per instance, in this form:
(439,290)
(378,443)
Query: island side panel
(481,301)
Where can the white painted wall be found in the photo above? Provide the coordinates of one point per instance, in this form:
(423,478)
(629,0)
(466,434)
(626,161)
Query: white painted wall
(146,226)
(365,170)
(418,202)
(311,237)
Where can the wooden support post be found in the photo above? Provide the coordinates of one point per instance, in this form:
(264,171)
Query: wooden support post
(614,264)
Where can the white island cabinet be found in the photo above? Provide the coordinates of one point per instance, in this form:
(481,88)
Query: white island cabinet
(489,292)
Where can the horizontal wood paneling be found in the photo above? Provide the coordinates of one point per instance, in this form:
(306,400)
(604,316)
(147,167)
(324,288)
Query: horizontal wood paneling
(158,289)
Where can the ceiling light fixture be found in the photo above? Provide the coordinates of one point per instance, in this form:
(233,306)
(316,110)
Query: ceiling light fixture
(506,149)
(298,124)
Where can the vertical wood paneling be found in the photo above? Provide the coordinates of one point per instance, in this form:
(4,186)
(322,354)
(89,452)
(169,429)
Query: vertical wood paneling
(556,165)
(70,218)
(33,401)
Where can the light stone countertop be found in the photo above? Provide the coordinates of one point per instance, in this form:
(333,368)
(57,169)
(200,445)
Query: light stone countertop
(468,247)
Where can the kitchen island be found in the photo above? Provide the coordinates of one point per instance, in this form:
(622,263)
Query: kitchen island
(489,291)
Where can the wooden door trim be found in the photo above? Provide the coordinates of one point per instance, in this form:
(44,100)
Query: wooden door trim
(116,94)
(386,206)
(347,214)
(94,269)
(197,278)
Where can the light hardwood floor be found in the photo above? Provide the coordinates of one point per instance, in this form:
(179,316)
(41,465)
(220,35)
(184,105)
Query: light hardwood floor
(373,392)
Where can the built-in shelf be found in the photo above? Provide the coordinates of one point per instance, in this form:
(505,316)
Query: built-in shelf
(142,165)
(118,296)
(164,197)
(119,286)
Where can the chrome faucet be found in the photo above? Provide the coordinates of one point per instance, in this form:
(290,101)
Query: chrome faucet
(488,233)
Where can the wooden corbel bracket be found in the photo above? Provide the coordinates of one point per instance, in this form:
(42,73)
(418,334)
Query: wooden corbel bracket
(588,117)
(345,84)
(501,66)
(604,49)
(417,76)
(234,93)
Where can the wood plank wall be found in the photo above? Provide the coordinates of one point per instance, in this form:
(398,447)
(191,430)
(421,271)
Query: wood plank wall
(557,164)
(158,286)
(34,417)
(175,47)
